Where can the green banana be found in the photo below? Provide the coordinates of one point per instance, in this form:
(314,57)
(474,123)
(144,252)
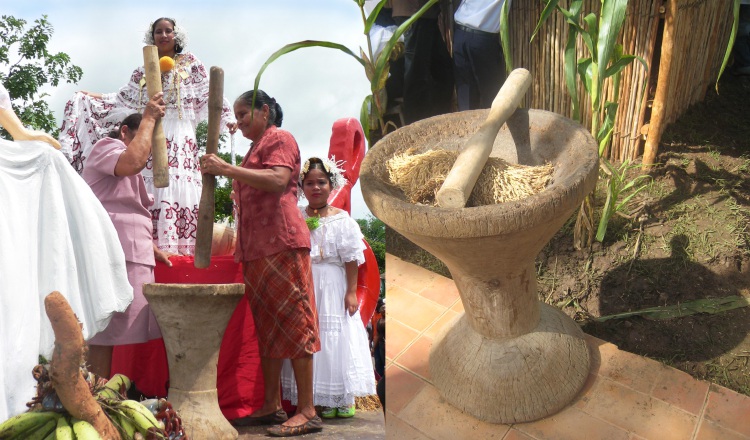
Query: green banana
(139,414)
(41,431)
(115,388)
(84,430)
(22,423)
(63,431)
(123,423)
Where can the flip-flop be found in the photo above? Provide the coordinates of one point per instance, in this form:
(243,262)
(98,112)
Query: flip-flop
(313,425)
(269,419)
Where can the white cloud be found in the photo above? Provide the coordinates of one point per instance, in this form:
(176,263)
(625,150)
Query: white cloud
(314,86)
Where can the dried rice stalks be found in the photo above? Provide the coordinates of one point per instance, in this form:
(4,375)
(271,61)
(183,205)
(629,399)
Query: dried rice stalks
(420,176)
(367,403)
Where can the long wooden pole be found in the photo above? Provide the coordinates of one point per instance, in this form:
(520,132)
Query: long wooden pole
(159,144)
(656,126)
(206,208)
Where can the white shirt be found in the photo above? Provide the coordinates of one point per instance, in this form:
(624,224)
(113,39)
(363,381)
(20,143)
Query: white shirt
(483,15)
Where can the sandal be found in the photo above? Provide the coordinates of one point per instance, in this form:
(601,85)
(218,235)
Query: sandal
(269,419)
(313,425)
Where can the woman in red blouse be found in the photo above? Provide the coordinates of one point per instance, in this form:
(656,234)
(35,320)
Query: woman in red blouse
(274,246)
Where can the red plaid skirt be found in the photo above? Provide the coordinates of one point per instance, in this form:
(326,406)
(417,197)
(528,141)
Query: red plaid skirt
(282,300)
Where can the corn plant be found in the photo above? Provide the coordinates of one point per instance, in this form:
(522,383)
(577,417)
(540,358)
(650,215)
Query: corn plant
(732,36)
(376,69)
(605,61)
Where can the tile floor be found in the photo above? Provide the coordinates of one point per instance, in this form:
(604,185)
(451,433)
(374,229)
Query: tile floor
(626,396)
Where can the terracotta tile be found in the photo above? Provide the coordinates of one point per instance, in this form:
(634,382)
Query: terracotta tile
(515,434)
(584,396)
(572,424)
(637,412)
(441,322)
(629,369)
(416,358)
(680,389)
(401,388)
(411,309)
(595,346)
(399,337)
(636,437)
(412,277)
(397,429)
(729,409)
(432,415)
(442,291)
(712,431)
(458,307)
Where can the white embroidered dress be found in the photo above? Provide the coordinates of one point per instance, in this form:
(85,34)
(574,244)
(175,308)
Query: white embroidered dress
(175,208)
(342,369)
(54,235)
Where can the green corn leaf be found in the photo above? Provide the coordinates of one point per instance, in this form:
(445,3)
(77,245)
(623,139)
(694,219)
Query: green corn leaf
(590,34)
(549,8)
(505,36)
(570,73)
(385,55)
(373,15)
(585,71)
(611,20)
(364,116)
(732,36)
(291,47)
(706,305)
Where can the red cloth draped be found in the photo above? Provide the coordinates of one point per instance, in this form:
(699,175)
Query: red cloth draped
(239,378)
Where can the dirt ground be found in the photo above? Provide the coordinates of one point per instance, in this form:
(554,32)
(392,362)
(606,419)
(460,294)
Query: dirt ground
(689,239)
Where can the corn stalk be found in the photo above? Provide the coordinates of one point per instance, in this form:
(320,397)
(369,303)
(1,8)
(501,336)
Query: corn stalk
(732,36)
(605,61)
(376,69)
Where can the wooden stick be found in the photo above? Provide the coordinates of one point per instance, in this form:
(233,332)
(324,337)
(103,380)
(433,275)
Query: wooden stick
(159,143)
(463,175)
(206,209)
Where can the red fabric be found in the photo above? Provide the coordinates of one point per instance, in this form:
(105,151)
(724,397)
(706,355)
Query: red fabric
(269,223)
(239,378)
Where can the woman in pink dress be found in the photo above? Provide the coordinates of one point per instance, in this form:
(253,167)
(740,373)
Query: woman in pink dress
(112,170)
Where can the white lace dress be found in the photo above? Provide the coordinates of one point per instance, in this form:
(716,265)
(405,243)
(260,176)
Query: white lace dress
(342,369)
(54,235)
(175,208)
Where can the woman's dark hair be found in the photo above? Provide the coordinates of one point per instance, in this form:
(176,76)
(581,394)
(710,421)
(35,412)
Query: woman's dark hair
(177,46)
(132,121)
(316,164)
(275,115)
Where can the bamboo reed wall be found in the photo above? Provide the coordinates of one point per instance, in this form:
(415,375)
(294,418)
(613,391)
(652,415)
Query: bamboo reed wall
(702,31)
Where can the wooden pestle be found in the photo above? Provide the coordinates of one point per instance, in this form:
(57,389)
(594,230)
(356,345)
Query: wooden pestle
(206,208)
(463,175)
(159,143)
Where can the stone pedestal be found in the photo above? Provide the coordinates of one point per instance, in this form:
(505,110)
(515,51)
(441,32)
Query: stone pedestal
(192,318)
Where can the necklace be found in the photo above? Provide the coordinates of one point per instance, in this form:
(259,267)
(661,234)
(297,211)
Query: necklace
(315,210)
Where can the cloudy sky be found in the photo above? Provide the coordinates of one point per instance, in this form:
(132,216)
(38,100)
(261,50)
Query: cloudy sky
(314,86)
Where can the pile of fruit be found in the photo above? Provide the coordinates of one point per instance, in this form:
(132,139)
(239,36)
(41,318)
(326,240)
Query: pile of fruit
(47,418)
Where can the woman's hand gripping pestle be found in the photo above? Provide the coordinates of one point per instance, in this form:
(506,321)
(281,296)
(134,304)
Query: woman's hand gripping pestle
(465,171)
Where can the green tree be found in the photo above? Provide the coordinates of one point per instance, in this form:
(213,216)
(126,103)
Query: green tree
(374,231)
(32,67)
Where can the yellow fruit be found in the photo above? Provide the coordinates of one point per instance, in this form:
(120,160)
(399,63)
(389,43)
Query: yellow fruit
(139,414)
(22,423)
(166,64)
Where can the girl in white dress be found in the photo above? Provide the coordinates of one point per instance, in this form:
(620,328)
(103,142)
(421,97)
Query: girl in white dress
(54,235)
(90,116)
(342,369)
